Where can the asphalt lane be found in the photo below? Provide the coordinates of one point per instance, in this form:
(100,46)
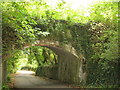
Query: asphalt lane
(27,79)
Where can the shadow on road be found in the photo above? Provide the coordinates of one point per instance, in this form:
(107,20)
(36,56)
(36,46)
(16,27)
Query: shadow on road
(27,79)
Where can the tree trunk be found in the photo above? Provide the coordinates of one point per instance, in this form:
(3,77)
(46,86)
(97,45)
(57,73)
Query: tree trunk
(4,72)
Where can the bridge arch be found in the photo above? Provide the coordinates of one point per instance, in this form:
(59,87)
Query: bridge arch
(70,66)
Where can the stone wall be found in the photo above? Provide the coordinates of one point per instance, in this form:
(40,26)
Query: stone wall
(48,71)
(69,68)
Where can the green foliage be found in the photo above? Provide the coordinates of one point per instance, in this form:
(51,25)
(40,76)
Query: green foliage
(96,39)
(5,87)
(16,61)
(43,56)
(28,21)
(104,45)
(105,12)
(18,22)
(30,59)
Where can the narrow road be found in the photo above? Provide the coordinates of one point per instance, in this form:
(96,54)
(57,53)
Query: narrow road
(26,79)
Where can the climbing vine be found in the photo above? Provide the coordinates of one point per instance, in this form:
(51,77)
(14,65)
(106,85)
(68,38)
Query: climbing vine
(95,36)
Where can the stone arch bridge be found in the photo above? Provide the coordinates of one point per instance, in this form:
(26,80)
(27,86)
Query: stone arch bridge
(70,65)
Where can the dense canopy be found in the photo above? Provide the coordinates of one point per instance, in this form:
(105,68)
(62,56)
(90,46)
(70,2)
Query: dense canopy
(92,29)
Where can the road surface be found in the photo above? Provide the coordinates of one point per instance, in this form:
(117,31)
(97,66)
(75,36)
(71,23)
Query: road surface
(26,79)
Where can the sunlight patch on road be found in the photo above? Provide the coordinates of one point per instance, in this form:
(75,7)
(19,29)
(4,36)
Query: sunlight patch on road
(25,72)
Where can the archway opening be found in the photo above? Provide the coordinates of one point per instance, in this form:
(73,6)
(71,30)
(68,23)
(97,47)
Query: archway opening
(35,60)
(31,58)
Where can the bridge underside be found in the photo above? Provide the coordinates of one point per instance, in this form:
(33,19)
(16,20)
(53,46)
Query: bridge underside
(69,65)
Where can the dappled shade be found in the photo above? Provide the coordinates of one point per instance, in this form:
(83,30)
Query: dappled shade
(79,43)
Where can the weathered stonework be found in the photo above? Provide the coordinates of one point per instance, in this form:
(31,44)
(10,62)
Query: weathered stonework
(70,68)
